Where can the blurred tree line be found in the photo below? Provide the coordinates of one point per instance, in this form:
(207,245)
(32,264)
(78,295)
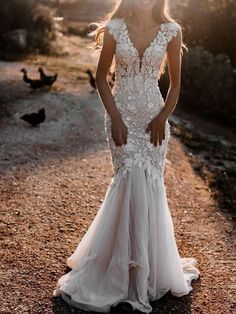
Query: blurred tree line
(210,24)
(25,26)
(209,66)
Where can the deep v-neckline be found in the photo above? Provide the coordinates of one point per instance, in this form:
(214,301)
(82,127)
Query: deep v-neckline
(152,42)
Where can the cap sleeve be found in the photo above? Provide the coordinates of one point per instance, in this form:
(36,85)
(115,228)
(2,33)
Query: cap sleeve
(113,27)
(173,31)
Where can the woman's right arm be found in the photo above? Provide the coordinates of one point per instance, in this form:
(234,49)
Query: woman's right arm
(119,129)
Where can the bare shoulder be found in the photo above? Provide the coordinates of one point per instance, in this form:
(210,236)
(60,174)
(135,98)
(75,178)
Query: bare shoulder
(113,26)
(172,27)
(114,23)
(173,33)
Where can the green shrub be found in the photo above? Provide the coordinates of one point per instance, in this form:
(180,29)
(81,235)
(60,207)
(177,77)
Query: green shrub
(16,14)
(207,85)
(208,82)
(43,31)
(36,19)
(210,24)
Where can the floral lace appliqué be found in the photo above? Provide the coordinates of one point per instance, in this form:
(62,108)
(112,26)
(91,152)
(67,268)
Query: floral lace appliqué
(138,98)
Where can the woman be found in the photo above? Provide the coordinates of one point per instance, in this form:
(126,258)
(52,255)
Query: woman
(129,255)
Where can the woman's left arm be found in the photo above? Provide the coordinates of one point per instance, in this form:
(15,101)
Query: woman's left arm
(174,58)
(157,126)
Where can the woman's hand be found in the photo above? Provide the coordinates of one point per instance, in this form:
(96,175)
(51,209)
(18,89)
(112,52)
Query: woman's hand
(157,129)
(119,131)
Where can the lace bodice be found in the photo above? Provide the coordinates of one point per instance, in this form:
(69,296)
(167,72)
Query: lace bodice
(128,63)
(138,99)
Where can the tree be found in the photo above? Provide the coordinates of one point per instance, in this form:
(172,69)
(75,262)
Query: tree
(210,24)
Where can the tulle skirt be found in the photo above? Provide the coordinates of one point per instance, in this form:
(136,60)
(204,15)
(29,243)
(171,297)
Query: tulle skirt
(129,252)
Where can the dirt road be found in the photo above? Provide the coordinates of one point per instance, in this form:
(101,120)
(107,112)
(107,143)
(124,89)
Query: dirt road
(53,180)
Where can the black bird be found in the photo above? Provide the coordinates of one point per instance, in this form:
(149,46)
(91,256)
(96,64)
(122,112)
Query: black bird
(47,79)
(92,80)
(34,84)
(113,76)
(35,118)
(111,80)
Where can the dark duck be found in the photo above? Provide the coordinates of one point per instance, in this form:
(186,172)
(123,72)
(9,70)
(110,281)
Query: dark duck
(34,84)
(47,79)
(34,118)
(113,76)
(91,80)
(111,79)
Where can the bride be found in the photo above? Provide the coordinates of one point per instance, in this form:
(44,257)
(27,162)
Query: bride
(129,255)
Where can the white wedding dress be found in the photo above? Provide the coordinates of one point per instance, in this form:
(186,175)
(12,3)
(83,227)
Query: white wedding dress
(129,252)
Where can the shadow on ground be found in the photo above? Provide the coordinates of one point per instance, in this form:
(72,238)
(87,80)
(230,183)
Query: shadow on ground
(168,304)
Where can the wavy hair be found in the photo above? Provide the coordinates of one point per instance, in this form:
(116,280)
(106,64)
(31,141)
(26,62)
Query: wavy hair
(122,9)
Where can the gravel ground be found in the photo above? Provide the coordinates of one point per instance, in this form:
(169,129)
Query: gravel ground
(53,180)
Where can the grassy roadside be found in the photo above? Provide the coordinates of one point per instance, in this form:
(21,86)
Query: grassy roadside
(211,150)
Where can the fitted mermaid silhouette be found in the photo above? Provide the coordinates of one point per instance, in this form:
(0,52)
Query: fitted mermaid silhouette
(129,252)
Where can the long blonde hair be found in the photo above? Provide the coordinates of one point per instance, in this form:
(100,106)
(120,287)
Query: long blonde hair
(122,9)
